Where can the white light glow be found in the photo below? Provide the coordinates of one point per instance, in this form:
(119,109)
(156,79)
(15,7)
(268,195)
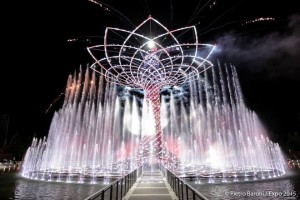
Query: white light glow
(151,44)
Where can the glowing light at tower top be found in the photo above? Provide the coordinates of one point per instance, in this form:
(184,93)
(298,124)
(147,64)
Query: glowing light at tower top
(151,55)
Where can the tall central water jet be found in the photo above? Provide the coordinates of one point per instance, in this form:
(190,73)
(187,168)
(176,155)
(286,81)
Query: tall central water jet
(149,62)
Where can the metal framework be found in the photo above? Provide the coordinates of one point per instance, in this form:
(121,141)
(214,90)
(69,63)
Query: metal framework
(150,61)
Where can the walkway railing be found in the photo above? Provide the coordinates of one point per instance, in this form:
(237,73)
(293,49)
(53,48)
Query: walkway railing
(182,189)
(117,189)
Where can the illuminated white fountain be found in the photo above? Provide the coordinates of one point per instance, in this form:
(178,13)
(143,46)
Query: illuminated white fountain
(86,137)
(211,135)
(214,135)
(100,133)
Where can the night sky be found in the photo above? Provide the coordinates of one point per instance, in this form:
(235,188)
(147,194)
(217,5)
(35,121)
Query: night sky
(37,57)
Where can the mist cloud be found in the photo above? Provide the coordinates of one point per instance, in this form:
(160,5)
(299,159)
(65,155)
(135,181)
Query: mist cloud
(278,52)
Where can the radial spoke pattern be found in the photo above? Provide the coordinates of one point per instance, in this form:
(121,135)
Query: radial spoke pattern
(150,61)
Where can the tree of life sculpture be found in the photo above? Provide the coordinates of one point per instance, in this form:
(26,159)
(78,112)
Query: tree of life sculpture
(149,58)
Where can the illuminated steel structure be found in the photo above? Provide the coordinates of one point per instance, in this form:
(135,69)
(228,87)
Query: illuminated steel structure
(149,58)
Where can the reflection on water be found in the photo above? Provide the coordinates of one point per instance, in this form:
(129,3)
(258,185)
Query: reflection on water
(46,190)
(287,187)
(13,186)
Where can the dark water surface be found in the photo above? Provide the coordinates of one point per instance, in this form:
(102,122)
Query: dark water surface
(13,186)
(286,187)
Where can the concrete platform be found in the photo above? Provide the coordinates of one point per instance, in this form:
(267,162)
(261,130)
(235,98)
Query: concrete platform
(151,186)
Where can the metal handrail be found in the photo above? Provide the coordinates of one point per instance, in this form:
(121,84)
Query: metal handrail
(117,189)
(182,189)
